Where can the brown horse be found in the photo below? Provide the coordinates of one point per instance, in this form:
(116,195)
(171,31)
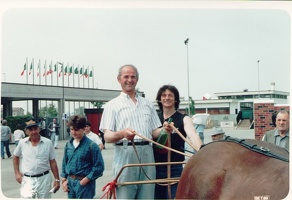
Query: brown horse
(236,169)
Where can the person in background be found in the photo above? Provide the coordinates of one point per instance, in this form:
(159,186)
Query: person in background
(5,139)
(280,135)
(54,129)
(82,162)
(92,135)
(200,128)
(102,138)
(238,117)
(122,117)
(200,121)
(38,157)
(18,134)
(168,100)
(42,125)
(217,134)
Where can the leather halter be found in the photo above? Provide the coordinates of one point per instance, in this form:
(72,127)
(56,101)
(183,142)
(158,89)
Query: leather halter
(253,147)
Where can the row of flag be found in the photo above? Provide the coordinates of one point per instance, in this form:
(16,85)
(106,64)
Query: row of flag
(65,70)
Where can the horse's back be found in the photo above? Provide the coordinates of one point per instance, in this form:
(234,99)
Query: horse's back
(227,170)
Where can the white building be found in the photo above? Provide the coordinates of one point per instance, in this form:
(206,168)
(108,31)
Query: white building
(233,102)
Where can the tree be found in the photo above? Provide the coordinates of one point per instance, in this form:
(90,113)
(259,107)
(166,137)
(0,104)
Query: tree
(13,121)
(79,111)
(192,107)
(50,111)
(97,104)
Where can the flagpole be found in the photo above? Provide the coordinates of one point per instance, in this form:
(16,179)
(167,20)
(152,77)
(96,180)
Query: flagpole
(26,70)
(45,73)
(63,80)
(69,75)
(64,125)
(57,70)
(78,77)
(40,80)
(186,43)
(88,76)
(51,72)
(26,82)
(33,71)
(73,74)
(92,77)
(83,76)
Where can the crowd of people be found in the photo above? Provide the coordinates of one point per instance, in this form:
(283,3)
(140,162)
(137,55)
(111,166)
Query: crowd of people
(130,122)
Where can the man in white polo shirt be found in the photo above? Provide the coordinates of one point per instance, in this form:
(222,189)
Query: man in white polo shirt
(37,159)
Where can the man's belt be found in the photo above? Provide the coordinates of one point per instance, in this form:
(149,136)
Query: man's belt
(136,143)
(37,175)
(76,177)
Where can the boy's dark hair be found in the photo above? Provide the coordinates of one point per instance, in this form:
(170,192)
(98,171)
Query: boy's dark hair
(88,123)
(77,122)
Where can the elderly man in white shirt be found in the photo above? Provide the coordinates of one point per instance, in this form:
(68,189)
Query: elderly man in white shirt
(38,158)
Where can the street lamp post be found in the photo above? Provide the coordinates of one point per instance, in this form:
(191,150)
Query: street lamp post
(259,78)
(188,78)
(63,98)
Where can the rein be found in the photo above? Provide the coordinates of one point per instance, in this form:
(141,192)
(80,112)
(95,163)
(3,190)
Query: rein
(253,147)
(110,188)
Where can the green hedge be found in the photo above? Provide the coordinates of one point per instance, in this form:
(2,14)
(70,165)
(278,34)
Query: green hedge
(13,121)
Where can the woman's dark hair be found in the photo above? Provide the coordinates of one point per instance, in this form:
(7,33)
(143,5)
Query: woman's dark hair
(172,89)
(77,122)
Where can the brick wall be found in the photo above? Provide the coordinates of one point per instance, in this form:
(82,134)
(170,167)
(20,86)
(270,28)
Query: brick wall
(263,117)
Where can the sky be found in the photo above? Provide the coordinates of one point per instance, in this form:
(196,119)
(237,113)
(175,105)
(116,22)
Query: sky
(226,41)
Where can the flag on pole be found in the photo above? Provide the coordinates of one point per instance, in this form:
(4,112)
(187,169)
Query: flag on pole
(55,67)
(70,71)
(45,69)
(76,71)
(66,70)
(81,72)
(85,74)
(90,74)
(61,71)
(24,68)
(50,71)
(30,68)
(38,70)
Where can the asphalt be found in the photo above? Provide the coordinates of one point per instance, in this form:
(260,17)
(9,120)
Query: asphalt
(10,187)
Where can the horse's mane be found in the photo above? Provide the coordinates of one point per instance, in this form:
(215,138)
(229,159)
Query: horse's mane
(261,147)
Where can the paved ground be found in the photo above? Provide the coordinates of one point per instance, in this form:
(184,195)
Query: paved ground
(10,188)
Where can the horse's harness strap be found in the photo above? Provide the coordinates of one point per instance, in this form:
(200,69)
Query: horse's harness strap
(262,150)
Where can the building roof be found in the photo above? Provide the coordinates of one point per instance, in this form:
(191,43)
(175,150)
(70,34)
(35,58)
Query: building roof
(246,92)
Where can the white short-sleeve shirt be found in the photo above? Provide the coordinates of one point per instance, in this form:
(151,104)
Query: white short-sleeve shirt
(35,159)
